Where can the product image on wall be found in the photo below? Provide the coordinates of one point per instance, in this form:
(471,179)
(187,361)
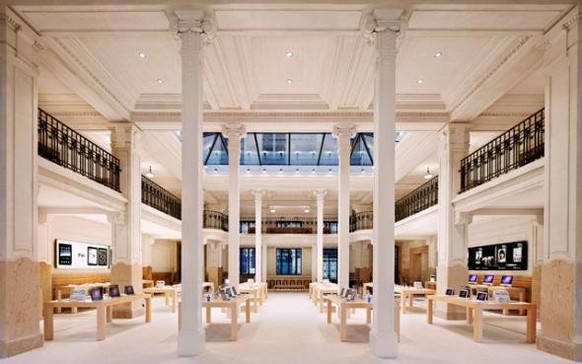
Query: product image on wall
(506,256)
(75,254)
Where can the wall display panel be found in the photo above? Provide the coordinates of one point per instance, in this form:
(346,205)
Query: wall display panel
(78,255)
(505,256)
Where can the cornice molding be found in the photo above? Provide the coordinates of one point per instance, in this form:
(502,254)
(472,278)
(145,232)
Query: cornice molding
(9,21)
(571,22)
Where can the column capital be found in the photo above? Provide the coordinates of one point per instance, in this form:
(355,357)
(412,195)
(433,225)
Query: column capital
(234,131)
(116,217)
(383,20)
(124,135)
(184,21)
(320,194)
(258,194)
(344,130)
(463,218)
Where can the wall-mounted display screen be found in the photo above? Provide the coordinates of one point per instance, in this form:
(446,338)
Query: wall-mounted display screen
(78,255)
(506,256)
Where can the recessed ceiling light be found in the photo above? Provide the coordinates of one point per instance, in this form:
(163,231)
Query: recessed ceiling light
(362,171)
(264,170)
(142,55)
(438,54)
(215,170)
(160,81)
(248,170)
(313,170)
(297,170)
(289,80)
(289,54)
(420,81)
(280,170)
(329,170)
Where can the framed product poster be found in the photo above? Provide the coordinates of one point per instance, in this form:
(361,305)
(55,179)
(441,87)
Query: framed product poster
(102,257)
(504,256)
(91,256)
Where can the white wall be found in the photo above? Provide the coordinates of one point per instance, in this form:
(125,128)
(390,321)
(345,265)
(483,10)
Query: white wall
(495,230)
(164,254)
(69,228)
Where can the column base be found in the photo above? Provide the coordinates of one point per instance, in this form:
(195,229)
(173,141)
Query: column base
(21,345)
(191,342)
(384,344)
(568,350)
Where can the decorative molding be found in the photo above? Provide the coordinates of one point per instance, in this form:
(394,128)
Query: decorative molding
(10,21)
(344,130)
(116,217)
(231,131)
(543,45)
(570,23)
(492,71)
(463,218)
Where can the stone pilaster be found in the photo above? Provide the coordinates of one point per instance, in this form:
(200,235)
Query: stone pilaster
(344,133)
(190,26)
(234,133)
(561,269)
(20,291)
(126,225)
(384,28)
(452,233)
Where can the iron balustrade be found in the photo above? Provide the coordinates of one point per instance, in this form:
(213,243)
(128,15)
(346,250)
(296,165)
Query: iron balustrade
(215,220)
(62,145)
(363,220)
(160,199)
(423,197)
(520,145)
(288,226)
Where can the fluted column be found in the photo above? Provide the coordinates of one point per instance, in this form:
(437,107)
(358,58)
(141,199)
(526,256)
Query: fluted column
(189,26)
(234,133)
(344,133)
(318,256)
(386,27)
(258,235)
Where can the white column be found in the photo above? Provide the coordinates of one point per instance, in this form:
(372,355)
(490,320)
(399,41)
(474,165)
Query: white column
(258,235)
(344,133)
(318,253)
(452,233)
(191,335)
(234,133)
(383,341)
(19,310)
(126,225)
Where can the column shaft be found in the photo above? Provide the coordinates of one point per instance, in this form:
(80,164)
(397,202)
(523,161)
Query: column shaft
(343,133)
(258,236)
(191,336)
(318,256)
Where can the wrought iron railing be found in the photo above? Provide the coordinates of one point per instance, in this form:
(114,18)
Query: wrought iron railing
(62,145)
(215,220)
(363,220)
(289,226)
(423,197)
(160,199)
(520,145)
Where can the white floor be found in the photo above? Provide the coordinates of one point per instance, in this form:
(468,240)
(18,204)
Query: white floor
(287,329)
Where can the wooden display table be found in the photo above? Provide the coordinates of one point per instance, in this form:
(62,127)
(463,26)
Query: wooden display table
(257,290)
(344,306)
(520,292)
(408,294)
(169,292)
(70,287)
(475,313)
(104,311)
(319,290)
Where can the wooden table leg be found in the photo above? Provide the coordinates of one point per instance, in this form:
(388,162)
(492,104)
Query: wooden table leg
(329,311)
(109,313)
(208,314)
(410,299)
(234,320)
(248,312)
(48,323)
(368,315)
(59,297)
(522,299)
(469,315)
(343,329)
(403,301)
(101,322)
(148,309)
(254,301)
(429,311)
(174,300)
(531,324)
(477,324)
(320,300)
(167,297)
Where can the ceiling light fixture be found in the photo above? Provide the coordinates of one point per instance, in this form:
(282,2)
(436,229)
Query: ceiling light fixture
(264,170)
(289,80)
(306,210)
(160,81)
(438,54)
(142,55)
(150,174)
(428,175)
(313,170)
(297,170)
(215,170)
(280,170)
(289,54)
(420,81)
(272,209)
(362,171)
(248,170)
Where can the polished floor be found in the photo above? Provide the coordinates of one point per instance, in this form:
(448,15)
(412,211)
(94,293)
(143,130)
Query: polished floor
(287,329)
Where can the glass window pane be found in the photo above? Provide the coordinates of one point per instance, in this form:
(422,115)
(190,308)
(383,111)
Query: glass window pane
(248,151)
(359,155)
(218,154)
(273,148)
(305,149)
(329,152)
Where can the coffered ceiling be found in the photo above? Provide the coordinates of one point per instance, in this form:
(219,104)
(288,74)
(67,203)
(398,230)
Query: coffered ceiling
(300,67)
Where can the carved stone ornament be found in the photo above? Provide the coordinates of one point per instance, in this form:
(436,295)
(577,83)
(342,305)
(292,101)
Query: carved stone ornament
(116,218)
(234,131)
(192,21)
(348,130)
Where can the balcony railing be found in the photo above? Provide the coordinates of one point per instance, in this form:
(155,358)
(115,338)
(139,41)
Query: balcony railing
(363,220)
(520,145)
(160,199)
(215,220)
(292,226)
(62,145)
(420,199)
